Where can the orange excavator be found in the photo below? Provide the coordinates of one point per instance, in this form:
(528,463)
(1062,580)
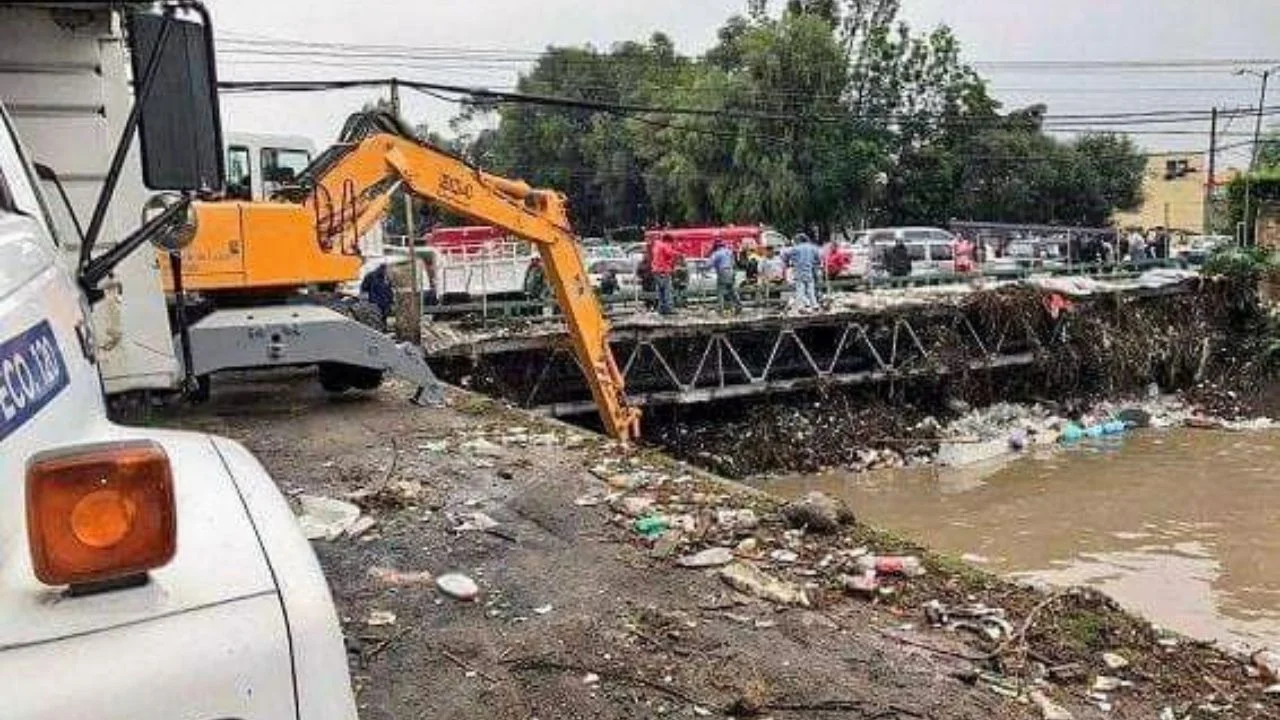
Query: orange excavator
(255,261)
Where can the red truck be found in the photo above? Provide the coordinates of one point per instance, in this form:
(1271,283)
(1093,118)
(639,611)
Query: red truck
(697,242)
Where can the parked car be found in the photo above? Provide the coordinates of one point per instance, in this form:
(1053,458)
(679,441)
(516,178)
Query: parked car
(932,249)
(1200,247)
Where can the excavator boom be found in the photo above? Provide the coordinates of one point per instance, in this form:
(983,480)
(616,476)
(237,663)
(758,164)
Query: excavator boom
(310,236)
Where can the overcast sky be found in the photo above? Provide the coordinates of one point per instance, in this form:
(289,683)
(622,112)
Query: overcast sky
(990,31)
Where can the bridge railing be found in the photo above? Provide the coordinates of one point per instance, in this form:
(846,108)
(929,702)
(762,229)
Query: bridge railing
(774,295)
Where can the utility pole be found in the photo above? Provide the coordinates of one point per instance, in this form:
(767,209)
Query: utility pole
(1265,75)
(1210,182)
(411,329)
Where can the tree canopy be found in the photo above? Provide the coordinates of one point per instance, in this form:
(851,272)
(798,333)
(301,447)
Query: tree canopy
(831,112)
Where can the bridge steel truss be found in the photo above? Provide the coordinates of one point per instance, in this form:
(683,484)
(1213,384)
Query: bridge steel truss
(700,360)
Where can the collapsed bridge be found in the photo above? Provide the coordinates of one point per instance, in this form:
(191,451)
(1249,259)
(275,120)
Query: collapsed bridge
(860,338)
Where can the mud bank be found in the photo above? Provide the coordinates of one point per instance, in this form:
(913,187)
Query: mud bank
(620,583)
(1200,355)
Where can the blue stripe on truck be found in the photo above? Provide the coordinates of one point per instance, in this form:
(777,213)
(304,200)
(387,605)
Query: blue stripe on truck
(32,373)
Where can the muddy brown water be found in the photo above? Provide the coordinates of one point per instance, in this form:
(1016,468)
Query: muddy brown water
(1181,526)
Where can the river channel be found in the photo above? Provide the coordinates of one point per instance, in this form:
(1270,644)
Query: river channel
(1180,526)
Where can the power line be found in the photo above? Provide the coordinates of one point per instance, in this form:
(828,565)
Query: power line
(515,54)
(484,95)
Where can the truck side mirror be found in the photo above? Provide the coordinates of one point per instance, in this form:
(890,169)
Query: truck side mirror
(179,124)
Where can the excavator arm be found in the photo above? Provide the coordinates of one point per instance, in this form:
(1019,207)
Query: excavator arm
(540,217)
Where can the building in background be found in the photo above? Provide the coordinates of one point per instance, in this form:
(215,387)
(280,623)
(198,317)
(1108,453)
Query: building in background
(1173,190)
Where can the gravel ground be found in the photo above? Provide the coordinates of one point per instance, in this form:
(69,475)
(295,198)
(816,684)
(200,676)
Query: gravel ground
(580,616)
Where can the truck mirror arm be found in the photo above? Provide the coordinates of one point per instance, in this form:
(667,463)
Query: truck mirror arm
(46,174)
(118,158)
(95,270)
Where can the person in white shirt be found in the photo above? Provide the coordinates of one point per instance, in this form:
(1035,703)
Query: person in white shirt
(1137,246)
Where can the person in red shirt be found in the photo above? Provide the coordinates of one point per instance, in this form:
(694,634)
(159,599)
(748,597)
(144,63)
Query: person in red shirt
(663,259)
(962,253)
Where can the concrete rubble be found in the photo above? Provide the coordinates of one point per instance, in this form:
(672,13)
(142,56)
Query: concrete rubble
(324,518)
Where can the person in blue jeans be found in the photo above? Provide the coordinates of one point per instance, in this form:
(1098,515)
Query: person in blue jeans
(663,257)
(722,262)
(805,258)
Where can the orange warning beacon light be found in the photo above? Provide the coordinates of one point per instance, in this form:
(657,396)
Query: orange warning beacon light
(100,512)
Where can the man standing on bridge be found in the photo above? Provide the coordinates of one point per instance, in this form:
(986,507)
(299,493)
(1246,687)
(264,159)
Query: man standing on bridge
(663,259)
(721,261)
(805,259)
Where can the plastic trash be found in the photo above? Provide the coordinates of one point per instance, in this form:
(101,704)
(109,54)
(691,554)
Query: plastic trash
(892,564)
(1093,431)
(1114,427)
(1072,433)
(651,526)
(1018,440)
(1268,663)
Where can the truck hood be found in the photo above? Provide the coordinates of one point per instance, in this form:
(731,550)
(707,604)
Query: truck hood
(219,558)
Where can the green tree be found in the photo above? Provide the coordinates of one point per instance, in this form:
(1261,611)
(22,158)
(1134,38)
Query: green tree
(829,113)
(1269,151)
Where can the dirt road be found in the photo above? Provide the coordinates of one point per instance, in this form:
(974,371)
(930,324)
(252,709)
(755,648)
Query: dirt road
(581,615)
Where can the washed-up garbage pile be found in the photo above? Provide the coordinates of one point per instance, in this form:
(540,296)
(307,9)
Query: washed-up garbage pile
(1034,647)
(800,553)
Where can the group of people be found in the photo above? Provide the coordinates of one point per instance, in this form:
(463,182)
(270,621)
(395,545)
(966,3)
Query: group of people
(1154,245)
(760,264)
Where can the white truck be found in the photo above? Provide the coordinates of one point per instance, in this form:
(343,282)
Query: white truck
(64,74)
(143,573)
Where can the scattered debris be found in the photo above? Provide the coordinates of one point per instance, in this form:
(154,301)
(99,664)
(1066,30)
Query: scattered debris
(1049,710)
(1268,663)
(635,505)
(458,586)
(590,679)
(362,525)
(865,584)
(379,618)
(542,609)
(751,580)
(908,565)
(783,557)
(651,526)
(481,446)
(711,557)
(744,519)
(396,578)
(475,521)
(1107,683)
(1114,661)
(323,518)
(817,512)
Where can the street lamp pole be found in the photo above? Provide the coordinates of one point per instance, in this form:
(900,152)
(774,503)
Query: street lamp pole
(1265,75)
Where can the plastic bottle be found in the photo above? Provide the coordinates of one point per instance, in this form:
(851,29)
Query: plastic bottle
(1093,431)
(1072,433)
(909,565)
